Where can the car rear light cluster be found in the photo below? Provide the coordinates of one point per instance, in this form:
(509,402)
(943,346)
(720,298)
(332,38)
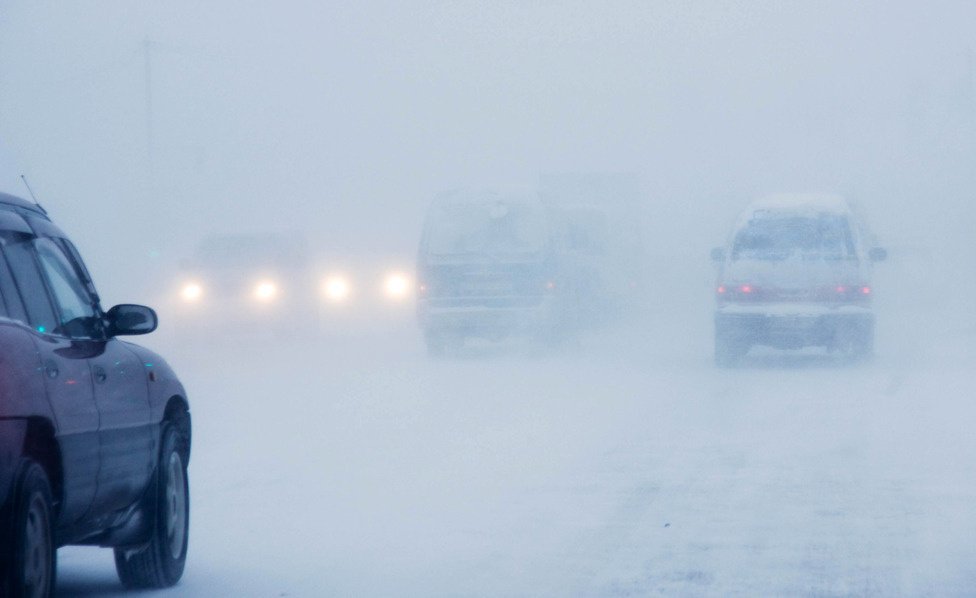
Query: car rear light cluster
(852,292)
(738,292)
(838,293)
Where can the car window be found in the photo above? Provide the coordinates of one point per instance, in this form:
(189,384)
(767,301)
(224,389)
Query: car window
(75,257)
(487,228)
(8,291)
(27,277)
(776,238)
(74,305)
(14,307)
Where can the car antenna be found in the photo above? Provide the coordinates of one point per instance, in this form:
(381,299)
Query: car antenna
(31,191)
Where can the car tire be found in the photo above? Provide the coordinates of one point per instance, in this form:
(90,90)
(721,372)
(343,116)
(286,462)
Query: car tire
(729,351)
(160,563)
(857,344)
(32,568)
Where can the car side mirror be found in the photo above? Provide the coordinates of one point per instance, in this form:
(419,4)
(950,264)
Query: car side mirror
(131,319)
(878,254)
(718,254)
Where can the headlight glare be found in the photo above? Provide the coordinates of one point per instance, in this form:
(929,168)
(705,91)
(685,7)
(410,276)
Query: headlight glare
(396,286)
(265,291)
(191,292)
(336,288)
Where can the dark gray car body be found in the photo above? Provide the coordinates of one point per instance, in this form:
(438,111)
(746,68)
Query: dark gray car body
(89,408)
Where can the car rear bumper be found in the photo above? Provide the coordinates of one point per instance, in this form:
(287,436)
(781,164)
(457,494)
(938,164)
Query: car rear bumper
(787,326)
(489,320)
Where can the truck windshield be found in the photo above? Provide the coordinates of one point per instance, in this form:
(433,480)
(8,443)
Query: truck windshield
(488,228)
(771,238)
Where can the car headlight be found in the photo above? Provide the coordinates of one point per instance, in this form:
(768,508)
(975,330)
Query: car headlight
(265,291)
(191,292)
(396,286)
(336,288)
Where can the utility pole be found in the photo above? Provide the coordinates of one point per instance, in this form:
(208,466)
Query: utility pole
(147,47)
(971,80)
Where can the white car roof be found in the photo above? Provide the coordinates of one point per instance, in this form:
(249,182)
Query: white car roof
(779,204)
(801,202)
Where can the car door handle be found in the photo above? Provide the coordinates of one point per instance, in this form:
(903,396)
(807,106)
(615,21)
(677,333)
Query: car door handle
(51,369)
(100,374)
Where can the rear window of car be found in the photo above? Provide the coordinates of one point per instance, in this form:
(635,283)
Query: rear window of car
(486,228)
(781,237)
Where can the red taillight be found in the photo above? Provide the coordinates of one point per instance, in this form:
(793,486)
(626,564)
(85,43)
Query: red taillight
(852,292)
(740,292)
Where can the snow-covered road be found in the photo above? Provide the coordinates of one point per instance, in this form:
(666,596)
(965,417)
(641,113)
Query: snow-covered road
(625,467)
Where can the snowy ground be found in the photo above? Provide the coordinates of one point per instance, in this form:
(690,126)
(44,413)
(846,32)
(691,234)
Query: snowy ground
(628,466)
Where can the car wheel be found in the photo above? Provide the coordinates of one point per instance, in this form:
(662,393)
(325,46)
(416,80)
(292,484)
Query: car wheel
(32,568)
(729,351)
(857,343)
(159,564)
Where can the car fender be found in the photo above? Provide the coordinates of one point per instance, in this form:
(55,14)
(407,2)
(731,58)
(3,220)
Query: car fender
(163,383)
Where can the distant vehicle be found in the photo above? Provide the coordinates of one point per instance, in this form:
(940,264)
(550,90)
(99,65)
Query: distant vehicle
(271,281)
(598,220)
(796,272)
(488,267)
(94,432)
(540,264)
(246,280)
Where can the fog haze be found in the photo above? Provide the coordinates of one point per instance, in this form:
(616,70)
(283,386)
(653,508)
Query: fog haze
(352,116)
(144,127)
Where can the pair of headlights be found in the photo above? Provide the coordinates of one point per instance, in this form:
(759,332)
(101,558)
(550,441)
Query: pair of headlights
(264,291)
(336,289)
(396,286)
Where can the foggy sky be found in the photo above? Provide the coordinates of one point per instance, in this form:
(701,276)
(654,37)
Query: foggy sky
(160,122)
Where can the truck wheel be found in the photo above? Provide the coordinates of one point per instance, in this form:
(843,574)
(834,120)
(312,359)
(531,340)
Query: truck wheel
(159,564)
(32,568)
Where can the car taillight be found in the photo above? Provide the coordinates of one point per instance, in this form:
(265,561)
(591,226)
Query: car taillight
(835,293)
(740,292)
(851,292)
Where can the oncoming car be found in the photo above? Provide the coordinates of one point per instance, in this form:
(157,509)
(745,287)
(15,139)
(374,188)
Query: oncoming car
(243,280)
(796,272)
(94,431)
(272,281)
